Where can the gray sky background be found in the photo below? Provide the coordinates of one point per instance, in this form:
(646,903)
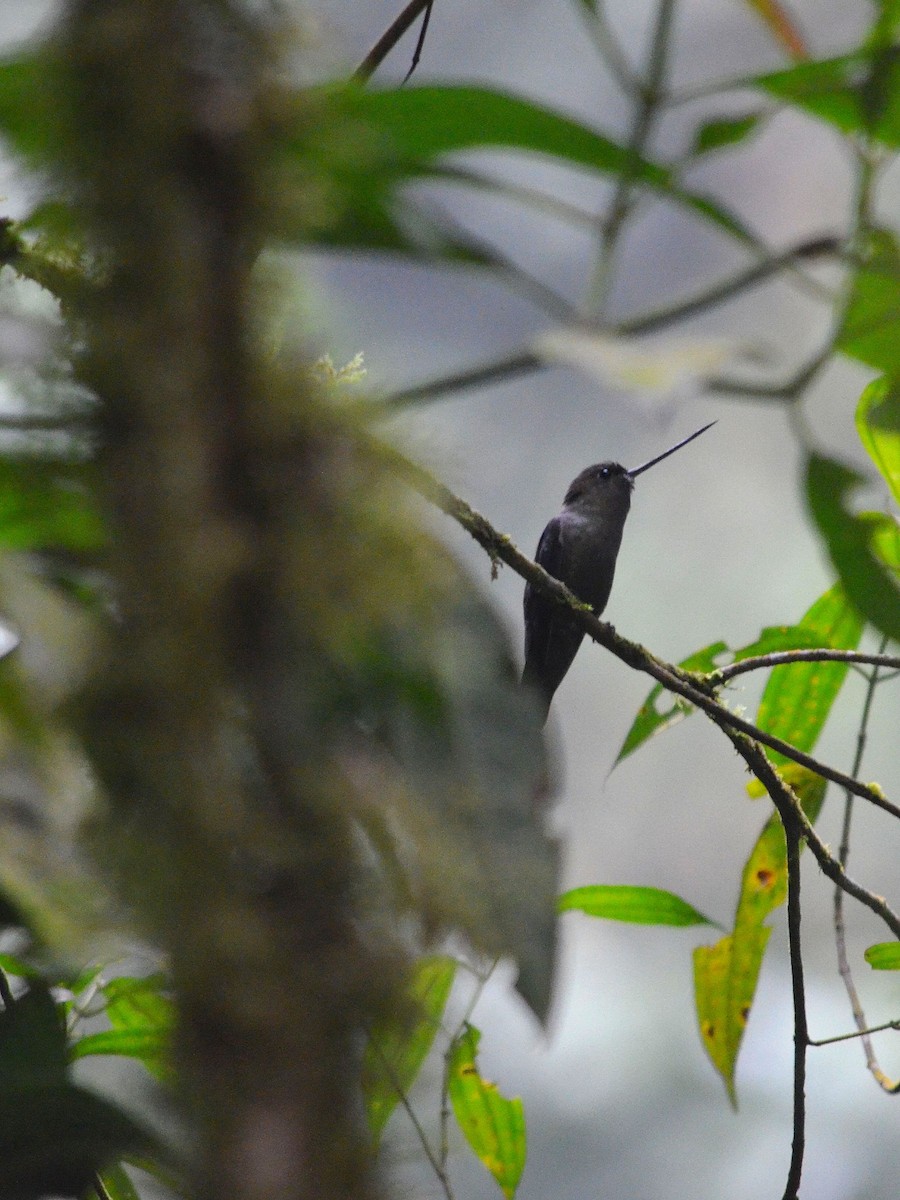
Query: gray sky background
(620,1100)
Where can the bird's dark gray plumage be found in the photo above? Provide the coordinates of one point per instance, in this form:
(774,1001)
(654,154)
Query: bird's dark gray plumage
(579,547)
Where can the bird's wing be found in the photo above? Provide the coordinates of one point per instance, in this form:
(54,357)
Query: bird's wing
(549,555)
(550,548)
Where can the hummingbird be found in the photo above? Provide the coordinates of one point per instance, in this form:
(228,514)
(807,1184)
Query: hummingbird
(579,548)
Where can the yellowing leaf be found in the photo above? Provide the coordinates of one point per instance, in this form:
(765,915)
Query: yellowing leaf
(725,978)
(725,975)
(493,1126)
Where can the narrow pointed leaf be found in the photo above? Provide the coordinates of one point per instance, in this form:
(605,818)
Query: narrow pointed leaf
(858,93)
(394,1055)
(725,975)
(408,129)
(878,419)
(661,710)
(493,1126)
(638,905)
(725,978)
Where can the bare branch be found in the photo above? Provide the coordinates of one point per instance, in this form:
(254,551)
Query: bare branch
(785,657)
(389,40)
(792,835)
(693,688)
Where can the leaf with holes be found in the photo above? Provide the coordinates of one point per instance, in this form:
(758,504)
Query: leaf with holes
(493,1126)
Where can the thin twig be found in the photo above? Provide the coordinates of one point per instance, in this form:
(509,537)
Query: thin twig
(420,41)
(525,361)
(840,933)
(389,40)
(437,1164)
(857,1033)
(784,799)
(782,658)
(741,281)
(650,97)
(609,48)
(801,1031)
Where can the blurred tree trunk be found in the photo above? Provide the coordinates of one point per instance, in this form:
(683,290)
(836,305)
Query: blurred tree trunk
(225,811)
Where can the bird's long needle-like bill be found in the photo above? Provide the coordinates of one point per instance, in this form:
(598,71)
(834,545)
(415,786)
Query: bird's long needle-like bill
(653,461)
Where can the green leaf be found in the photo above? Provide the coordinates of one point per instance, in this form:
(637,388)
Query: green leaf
(140,1003)
(394,1055)
(493,1126)
(878,425)
(26,105)
(151,1047)
(798,696)
(871,328)
(32,1041)
(47,505)
(363,143)
(725,132)
(869,586)
(54,1136)
(858,93)
(639,905)
(116,1185)
(142,1016)
(884,956)
(652,718)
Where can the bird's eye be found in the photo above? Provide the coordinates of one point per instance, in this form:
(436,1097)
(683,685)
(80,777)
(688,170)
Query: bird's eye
(605,472)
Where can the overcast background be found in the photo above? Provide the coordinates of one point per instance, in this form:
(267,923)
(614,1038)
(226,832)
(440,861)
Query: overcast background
(620,1100)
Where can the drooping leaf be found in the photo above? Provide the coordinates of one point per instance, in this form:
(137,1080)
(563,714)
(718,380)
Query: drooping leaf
(871,328)
(468,740)
(883,956)
(798,697)
(366,142)
(394,1055)
(848,537)
(54,1136)
(725,978)
(152,1047)
(638,905)
(859,93)
(726,974)
(878,425)
(493,1126)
